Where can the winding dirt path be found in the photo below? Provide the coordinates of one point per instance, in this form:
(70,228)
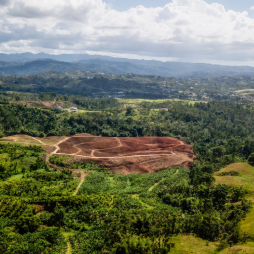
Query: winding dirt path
(119,142)
(38,140)
(115,157)
(57,145)
(82,177)
(68,248)
(79,150)
(57,148)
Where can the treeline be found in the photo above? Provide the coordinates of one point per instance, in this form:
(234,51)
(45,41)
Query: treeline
(220,132)
(93,87)
(80,100)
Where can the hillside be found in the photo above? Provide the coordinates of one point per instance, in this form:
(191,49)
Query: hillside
(80,207)
(27,64)
(150,177)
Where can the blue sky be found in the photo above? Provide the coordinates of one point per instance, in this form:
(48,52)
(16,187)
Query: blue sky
(236,5)
(123,5)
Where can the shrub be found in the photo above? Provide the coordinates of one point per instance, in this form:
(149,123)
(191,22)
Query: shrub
(251,159)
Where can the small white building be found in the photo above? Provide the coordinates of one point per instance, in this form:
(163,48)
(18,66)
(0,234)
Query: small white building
(73,109)
(59,108)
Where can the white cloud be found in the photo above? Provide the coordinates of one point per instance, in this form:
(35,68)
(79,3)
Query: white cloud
(184,30)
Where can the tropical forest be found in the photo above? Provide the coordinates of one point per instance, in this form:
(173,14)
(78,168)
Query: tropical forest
(57,201)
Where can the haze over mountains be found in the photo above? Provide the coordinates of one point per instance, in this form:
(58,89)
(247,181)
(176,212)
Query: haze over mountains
(28,63)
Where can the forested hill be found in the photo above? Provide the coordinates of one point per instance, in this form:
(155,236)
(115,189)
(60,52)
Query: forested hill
(220,132)
(27,64)
(45,208)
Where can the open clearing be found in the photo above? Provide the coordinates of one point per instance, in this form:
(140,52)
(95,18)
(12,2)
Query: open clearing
(137,101)
(245,180)
(245,92)
(124,155)
(190,244)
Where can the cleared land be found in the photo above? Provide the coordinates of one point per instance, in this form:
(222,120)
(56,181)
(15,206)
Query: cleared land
(124,155)
(245,180)
(245,92)
(137,101)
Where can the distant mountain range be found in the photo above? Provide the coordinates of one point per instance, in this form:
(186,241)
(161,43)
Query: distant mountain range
(28,63)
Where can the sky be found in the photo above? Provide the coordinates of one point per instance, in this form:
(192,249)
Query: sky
(236,5)
(217,32)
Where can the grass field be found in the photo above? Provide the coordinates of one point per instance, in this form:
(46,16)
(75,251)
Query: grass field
(245,180)
(188,244)
(21,139)
(245,92)
(82,111)
(137,101)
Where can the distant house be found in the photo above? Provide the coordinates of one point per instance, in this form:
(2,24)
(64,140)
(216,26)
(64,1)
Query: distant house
(163,109)
(73,109)
(59,108)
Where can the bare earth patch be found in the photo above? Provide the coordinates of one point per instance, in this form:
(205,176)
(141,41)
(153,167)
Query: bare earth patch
(123,155)
(129,155)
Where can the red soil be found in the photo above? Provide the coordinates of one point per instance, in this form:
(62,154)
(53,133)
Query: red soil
(124,155)
(129,155)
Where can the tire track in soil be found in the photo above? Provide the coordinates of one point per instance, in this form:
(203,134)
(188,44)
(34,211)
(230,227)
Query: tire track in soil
(116,157)
(37,140)
(57,148)
(120,143)
(79,150)
(93,151)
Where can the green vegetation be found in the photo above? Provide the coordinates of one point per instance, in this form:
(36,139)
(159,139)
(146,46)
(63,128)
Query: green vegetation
(244,180)
(66,161)
(245,92)
(251,159)
(114,213)
(220,132)
(26,185)
(126,86)
(16,159)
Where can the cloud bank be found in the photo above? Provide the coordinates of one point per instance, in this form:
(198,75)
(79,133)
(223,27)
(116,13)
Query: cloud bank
(183,30)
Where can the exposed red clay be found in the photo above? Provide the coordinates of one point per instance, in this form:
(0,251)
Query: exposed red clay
(129,155)
(123,155)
